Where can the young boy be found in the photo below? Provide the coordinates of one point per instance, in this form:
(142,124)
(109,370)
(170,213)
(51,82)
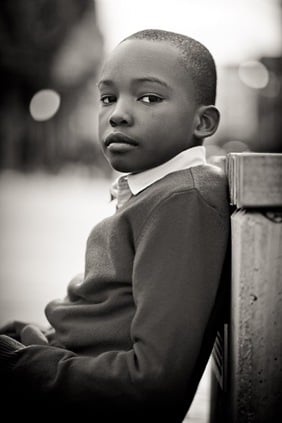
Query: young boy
(132,337)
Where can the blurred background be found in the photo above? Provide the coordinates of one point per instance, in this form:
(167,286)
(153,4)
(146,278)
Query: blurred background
(53,178)
(51,52)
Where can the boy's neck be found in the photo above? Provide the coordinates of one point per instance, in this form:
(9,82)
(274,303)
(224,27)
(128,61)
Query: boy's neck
(193,156)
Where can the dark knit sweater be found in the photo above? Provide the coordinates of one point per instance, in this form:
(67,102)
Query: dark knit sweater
(134,333)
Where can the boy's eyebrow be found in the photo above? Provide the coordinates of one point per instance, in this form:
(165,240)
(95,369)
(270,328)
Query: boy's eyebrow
(104,82)
(144,79)
(151,79)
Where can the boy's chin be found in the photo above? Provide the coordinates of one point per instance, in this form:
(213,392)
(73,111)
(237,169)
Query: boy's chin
(123,166)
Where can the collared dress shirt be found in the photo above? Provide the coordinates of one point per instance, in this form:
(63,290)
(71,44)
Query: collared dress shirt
(131,184)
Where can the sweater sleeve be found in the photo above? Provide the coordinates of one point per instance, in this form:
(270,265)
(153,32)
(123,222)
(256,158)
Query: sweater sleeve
(177,268)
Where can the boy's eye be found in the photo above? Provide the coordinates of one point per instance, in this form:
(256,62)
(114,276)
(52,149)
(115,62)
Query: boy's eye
(108,99)
(150,98)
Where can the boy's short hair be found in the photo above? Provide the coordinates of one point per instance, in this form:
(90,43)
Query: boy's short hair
(195,57)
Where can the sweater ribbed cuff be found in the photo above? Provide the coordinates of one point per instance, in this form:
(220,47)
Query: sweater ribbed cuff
(8,347)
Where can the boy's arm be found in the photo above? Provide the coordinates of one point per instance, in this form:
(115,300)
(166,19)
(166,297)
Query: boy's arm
(177,269)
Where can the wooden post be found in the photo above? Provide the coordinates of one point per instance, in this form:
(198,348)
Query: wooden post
(247,375)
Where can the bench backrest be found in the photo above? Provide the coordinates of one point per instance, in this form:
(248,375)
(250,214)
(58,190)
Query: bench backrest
(247,354)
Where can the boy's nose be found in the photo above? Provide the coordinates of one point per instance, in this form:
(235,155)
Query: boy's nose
(120,117)
(117,121)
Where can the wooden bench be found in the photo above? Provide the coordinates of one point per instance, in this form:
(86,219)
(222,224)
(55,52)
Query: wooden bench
(246,379)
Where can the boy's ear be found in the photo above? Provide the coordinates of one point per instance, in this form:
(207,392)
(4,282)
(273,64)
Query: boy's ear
(207,120)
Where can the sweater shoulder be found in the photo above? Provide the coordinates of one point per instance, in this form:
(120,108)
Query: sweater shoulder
(207,181)
(211,182)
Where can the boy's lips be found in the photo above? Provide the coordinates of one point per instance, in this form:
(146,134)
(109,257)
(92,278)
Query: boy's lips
(117,142)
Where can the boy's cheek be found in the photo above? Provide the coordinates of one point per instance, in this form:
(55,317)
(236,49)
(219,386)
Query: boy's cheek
(103,117)
(101,129)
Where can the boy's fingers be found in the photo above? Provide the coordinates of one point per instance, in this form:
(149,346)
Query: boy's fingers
(6,328)
(13,328)
(32,335)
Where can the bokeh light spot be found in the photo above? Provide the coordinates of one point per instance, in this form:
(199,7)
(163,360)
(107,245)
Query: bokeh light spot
(44,105)
(253,74)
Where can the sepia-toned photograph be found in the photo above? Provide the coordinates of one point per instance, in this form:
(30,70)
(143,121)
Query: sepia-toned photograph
(141,211)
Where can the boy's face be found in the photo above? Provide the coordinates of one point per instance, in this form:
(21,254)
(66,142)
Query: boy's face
(147,107)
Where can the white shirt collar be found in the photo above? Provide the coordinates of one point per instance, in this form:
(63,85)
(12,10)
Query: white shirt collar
(195,156)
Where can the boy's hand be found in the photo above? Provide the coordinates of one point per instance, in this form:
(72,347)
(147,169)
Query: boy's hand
(25,333)
(13,329)
(32,335)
